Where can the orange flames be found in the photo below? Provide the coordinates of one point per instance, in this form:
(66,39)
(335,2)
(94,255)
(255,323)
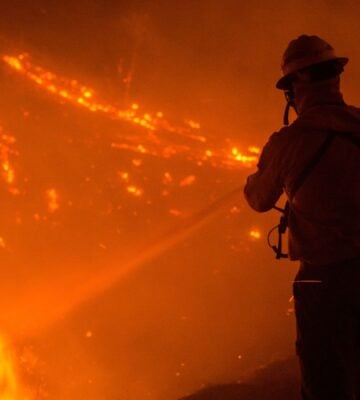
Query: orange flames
(159,139)
(155,137)
(53,200)
(7,152)
(9,384)
(255,234)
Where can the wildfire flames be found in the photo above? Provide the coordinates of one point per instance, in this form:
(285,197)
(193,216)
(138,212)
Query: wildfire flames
(7,151)
(160,136)
(9,384)
(155,136)
(132,265)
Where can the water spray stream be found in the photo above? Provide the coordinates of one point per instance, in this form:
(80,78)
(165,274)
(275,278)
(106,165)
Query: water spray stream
(111,276)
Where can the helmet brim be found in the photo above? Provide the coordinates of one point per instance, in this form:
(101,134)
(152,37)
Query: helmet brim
(284,83)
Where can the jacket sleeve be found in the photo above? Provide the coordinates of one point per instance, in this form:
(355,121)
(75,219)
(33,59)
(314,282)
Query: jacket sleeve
(265,186)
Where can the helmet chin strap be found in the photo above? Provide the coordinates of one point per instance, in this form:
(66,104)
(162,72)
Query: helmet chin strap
(286,113)
(289,94)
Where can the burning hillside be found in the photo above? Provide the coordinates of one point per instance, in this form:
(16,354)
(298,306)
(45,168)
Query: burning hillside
(131,266)
(86,180)
(91,194)
(161,134)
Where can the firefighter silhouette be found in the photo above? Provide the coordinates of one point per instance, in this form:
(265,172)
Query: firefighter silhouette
(315,161)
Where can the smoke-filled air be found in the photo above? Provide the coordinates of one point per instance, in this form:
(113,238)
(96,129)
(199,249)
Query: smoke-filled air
(131,266)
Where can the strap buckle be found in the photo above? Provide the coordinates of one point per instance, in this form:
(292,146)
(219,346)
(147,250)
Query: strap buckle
(281,229)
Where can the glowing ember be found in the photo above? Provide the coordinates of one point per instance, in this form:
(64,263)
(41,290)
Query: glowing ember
(137,162)
(137,192)
(14,62)
(175,212)
(167,178)
(254,150)
(235,210)
(187,181)
(124,176)
(241,157)
(193,124)
(255,234)
(7,152)
(8,172)
(209,153)
(53,200)
(161,141)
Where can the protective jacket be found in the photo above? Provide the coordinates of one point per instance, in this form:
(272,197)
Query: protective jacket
(324,217)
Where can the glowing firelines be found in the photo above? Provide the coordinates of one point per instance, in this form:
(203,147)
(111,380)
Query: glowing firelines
(155,142)
(7,153)
(159,143)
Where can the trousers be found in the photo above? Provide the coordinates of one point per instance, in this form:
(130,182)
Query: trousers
(327,309)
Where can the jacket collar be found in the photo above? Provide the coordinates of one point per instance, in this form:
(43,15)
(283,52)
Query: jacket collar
(310,95)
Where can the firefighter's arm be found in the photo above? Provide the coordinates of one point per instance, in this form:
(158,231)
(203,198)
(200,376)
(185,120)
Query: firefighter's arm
(265,186)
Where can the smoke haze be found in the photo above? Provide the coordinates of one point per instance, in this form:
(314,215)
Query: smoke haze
(204,309)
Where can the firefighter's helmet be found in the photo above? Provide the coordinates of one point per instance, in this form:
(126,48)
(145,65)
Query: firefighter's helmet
(304,52)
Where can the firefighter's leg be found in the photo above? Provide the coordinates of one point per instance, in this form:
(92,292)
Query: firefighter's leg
(318,314)
(346,288)
(349,347)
